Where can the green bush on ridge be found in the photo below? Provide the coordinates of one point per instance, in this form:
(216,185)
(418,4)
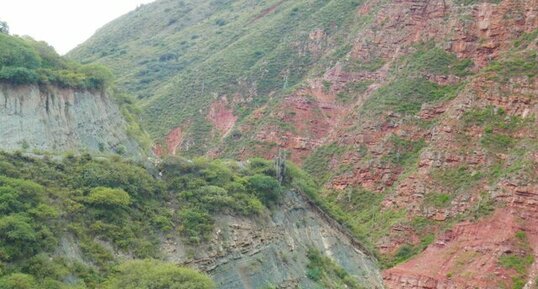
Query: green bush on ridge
(26,61)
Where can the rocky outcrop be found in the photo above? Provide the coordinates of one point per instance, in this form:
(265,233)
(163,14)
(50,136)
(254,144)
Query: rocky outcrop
(59,120)
(464,257)
(247,253)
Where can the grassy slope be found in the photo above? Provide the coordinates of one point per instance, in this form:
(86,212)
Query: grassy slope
(187,52)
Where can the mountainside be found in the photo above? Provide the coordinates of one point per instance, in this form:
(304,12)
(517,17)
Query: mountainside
(418,117)
(91,219)
(234,54)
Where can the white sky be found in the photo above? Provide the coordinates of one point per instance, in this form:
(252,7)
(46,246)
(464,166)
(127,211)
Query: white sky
(62,23)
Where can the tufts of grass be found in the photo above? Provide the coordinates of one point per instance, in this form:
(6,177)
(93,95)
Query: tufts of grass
(519,262)
(457,179)
(438,200)
(429,59)
(406,96)
(318,162)
(404,152)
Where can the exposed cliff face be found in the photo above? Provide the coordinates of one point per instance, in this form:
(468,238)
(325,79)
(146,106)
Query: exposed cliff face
(59,120)
(272,250)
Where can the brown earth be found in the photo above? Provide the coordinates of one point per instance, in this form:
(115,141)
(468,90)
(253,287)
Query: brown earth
(221,116)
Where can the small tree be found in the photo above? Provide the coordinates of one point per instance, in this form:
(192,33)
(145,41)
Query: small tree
(4,28)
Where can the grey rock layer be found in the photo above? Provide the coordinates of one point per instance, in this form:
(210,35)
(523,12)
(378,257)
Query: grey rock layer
(59,120)
(255,253)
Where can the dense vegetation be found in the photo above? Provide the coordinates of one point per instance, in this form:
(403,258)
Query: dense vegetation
(188,54)
(63,222)
(26,61)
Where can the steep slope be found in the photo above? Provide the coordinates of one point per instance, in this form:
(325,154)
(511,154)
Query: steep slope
(418,117)
(189,54)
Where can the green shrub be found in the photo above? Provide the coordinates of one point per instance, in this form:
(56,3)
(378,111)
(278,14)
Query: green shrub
(26,61)
(108,197)
(429,59)
(327,273)
(196,225)
(163,222)
(16,52)
(18,75)
(407,251)
(96,76)
(261,166)
(18,281)
(266,188)
(150,274)
(106,205)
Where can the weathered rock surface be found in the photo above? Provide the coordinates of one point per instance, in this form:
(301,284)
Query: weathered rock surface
(60,120)
(272,250)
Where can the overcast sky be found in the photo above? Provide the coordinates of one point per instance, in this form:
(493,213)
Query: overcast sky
(62,23)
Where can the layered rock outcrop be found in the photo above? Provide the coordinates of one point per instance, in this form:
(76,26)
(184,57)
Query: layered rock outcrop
(58,120)
(272,250)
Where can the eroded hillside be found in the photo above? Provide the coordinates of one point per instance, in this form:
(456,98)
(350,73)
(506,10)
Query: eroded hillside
(418,117)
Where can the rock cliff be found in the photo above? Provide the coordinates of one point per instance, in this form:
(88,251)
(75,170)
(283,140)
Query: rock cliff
(272,250)
(58,120)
